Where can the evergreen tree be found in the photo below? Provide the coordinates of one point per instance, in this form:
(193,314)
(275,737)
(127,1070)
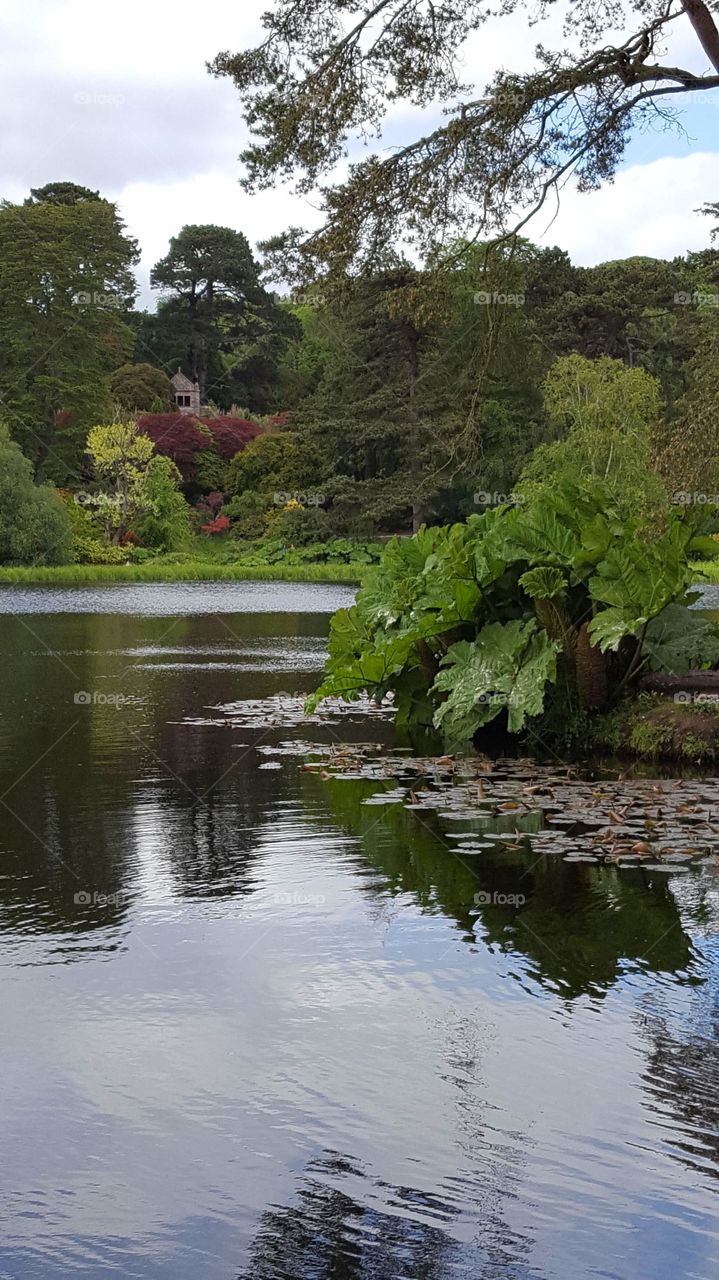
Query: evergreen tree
(65,280)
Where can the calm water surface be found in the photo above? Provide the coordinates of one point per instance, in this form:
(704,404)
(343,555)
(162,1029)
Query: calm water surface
(249,1027)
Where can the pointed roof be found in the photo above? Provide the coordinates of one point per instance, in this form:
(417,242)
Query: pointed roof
(181,383)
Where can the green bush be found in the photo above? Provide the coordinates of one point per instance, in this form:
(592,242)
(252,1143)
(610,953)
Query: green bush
(248,512)
(141,388)
(34,524)
(299,525)
(210,471)
(272,463)
(87,544)
(607,412)
(165,524)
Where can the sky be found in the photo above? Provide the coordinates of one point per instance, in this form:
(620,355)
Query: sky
(118,98)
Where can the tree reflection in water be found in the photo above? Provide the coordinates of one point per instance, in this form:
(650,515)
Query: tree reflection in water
(579,926)
(328,1235)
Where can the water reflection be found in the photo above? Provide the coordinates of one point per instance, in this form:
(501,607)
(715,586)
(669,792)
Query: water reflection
(578,927)
(328,1234)
(280,1039)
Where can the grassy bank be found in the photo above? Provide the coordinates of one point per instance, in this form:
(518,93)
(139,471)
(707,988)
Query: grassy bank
(196,571)
(654,728)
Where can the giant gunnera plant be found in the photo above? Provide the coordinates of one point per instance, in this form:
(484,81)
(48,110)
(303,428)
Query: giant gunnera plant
(560,602)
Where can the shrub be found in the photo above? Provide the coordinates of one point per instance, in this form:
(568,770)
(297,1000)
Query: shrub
(210,470)
(199,447)
(230,435)
(608,412)
(221,524)
(177,436)
(299,525)
(166,522)
(249,513)
(34,523)
(270,463)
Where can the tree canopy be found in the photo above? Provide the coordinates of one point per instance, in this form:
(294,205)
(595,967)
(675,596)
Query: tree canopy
(215,317)
(325,76)
(65,283)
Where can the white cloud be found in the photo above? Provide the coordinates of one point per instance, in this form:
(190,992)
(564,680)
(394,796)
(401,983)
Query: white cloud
(119,98)
(649,209)
(155,211)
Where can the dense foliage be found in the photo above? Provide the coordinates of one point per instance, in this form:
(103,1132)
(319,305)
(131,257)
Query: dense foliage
(34,527)
(199,447)
(65,281)
(538,612)
(140,388)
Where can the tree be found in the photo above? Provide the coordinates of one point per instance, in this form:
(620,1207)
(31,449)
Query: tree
(429,386)
(272,463)
(688,456)
(325,75)
(608,413)
(61,193)
(120,455)
(200,447)
(178,436)
(141,388)
(228,331)
(65,278)
(165,522)
(638,310)
(34,525)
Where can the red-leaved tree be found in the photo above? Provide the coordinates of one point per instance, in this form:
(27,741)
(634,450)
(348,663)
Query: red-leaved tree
(178,436)
(220,524)
(230,435)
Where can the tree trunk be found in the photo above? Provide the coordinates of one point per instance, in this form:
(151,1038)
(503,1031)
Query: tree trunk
(412,340)
(705,28)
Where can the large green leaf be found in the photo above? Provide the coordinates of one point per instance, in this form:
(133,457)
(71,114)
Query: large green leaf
(508,665)
(543,583)
(611,626)
(681,639)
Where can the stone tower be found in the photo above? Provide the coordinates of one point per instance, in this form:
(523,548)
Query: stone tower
(187,394)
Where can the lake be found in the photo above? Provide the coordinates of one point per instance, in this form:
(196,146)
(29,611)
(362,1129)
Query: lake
(253,1027)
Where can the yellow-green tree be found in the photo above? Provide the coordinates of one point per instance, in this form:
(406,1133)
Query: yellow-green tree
(120,455)
(607,413)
